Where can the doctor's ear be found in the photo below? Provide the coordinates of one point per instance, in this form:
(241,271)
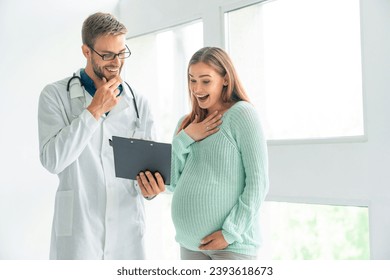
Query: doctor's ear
(86,51)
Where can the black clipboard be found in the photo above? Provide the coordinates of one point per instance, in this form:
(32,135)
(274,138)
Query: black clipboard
(131,156)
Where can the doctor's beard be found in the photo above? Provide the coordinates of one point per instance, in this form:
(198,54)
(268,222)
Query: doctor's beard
(100,70)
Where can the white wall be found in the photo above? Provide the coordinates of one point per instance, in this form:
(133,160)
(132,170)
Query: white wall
(343,173)
(40,43)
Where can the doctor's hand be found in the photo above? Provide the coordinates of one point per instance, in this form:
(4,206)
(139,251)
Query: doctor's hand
(105,97)
(150,185)
(200,130)
(214,241)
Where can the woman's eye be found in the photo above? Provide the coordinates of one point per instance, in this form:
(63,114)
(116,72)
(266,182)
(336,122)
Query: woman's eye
(206,82)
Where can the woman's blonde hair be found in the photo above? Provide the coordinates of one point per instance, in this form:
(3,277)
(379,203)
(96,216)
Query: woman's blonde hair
(221,62)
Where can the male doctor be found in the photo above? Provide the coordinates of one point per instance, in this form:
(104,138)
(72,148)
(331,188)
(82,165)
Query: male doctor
(97,216)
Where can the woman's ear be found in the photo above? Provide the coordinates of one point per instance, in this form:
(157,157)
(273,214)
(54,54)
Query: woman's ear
(225,81)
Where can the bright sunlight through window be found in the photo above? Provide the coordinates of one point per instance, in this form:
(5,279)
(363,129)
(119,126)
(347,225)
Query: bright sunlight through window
(158,70)
(300,62)
(296,231)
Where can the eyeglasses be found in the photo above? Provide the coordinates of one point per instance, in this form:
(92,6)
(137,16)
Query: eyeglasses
(112,56)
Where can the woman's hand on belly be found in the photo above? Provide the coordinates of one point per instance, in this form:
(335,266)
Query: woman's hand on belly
(214,241)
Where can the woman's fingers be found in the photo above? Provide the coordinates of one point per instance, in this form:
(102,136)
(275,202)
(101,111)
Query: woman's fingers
(210,117)
(212,121)
(200,130)
(213,125)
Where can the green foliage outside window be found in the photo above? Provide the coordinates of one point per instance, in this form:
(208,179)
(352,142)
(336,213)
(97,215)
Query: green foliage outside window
(318,232)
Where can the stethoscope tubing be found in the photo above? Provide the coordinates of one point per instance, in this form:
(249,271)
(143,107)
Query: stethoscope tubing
(81,84)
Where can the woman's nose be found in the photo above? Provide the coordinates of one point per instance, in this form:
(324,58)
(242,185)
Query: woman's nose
(195,88)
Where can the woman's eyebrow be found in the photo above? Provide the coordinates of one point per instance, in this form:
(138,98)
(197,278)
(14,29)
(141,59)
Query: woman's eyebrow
(201,76)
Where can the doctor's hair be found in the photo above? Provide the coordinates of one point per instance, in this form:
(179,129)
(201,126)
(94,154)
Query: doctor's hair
(100,24)
(220,61)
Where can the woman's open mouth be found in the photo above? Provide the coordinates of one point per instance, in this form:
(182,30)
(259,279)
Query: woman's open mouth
(202,98)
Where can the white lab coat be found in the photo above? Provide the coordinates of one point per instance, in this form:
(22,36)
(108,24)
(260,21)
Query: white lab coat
(97,216)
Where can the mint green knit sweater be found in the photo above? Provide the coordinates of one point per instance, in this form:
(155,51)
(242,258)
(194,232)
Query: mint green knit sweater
(221,182)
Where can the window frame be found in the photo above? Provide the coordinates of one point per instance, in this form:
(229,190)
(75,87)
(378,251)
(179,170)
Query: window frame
(231,7)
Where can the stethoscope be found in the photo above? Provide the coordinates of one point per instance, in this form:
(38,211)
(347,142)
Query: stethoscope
(75,90)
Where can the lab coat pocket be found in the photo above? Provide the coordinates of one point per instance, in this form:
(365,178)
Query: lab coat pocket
(64,213)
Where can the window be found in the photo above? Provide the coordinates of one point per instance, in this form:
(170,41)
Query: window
(295,231)
(300,62)
(158,70)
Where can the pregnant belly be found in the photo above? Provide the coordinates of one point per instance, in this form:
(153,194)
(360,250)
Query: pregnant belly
(201,210)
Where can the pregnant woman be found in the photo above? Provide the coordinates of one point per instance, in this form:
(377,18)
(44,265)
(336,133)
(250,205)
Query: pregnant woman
(219,165)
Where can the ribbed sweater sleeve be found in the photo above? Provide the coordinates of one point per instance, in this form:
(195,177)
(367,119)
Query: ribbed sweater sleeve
(180,149)
(246,130)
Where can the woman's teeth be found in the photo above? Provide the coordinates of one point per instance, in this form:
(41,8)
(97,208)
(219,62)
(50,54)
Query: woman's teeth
(202,97)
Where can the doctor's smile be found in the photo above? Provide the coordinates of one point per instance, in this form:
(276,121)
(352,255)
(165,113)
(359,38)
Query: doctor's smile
(113,69)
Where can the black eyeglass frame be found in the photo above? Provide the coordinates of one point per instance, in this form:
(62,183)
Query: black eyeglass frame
(107,56)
